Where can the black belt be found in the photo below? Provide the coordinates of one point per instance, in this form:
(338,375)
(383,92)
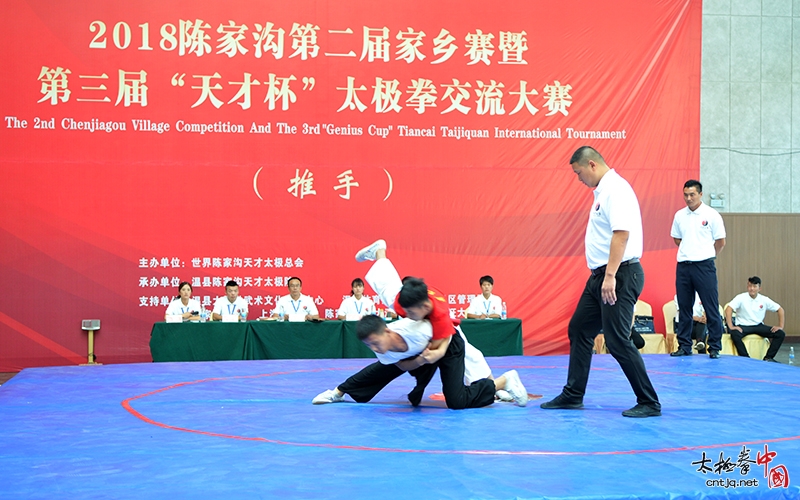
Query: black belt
(690,262)
(602,269)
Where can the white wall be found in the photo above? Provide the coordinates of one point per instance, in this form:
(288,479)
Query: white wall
(750,105)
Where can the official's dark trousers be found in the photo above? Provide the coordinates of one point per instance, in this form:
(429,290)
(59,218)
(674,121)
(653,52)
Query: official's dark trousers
(590,316)
(776,338)
(700,277)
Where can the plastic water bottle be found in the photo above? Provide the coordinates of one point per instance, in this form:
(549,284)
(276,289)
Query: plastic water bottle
(791,355)
(243,314)
(280,314)
(504,312)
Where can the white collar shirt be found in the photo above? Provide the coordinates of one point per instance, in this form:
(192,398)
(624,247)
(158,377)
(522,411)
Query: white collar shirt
(303,305)
(697,230)
(480,305)
(615,208)
(417,335)
(225,306)
(352,306)
(751,311)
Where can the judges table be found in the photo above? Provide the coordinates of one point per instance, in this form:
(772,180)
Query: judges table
(217,341)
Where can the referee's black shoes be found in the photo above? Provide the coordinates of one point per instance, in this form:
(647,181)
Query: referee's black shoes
(562,402)
(680,352)
(713,354)
(642,411)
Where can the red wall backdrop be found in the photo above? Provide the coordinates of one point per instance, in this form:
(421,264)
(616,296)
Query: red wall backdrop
(103,224)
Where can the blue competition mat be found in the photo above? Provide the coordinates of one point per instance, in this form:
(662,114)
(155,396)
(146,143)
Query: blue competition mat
(247,429)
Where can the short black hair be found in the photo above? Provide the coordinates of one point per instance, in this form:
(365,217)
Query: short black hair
(583,154)
(294,278)
(369,325)
(754,280)
(692,183)
(414,292)
(486,278)
(231,283)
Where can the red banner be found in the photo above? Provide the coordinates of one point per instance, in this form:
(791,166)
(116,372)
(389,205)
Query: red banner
(150,143)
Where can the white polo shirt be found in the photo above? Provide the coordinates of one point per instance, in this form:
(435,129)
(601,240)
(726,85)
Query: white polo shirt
(480,305)
(224,306)
(751,311)
(303,305)
(176,307)
(697,230)
(615,208)
(362,307)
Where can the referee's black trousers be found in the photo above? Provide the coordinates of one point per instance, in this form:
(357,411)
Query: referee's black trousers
(590,316)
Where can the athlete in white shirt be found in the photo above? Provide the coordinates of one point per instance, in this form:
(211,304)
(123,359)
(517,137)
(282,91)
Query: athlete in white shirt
(184,305)
(751,308)
(485,305)
(356,305)
(398,347)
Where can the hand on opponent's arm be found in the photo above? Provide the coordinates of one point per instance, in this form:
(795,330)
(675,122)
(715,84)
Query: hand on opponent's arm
(435,350)
(411,363)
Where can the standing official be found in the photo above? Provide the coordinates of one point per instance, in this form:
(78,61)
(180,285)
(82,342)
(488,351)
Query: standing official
(613,248)
(699,232)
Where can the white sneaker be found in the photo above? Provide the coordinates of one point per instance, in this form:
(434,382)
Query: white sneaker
(515,388)
(368,252)
(503,395)
(328,396)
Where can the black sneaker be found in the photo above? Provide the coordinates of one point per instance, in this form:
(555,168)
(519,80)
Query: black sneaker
(642,411)
(562,402)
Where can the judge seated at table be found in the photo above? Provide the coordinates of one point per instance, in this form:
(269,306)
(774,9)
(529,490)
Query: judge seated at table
(296,306)
(231,305)
(184,305)
(485,305)
(356,305)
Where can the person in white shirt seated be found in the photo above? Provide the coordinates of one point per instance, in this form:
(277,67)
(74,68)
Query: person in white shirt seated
(295,305)
(184,305)
(699,321)
(231,304)
(751,308)
(356,306)
(485,305)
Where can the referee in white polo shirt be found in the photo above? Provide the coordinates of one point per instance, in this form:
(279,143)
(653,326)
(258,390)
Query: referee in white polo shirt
(699,232)
(613,248)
